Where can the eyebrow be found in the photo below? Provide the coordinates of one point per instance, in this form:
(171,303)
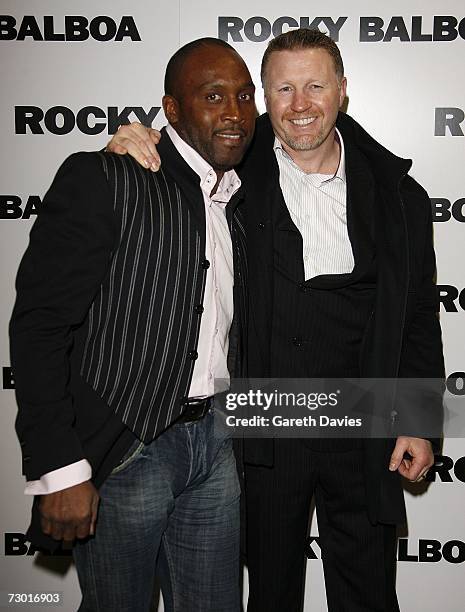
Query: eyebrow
(223,83)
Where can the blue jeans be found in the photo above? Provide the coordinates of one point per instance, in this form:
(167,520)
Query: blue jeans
(171,509)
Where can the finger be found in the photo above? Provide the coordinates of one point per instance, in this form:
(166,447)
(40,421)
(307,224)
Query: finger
(155,137)
(117,148)
(146,139)
(404,471)
(419,469)
(94,513)
(397,456)
(136,140)
(69,532)
(418,466)
(141,155)
(46,525)
(57,531)
(421,476)
(133,141)
(155,165)
(142,146)
(84,529)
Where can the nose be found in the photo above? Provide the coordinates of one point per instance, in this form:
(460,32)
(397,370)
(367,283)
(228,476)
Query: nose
(232,110)
(300,101)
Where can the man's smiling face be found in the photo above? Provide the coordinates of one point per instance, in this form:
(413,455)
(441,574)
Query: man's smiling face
(213,108)
(303,95)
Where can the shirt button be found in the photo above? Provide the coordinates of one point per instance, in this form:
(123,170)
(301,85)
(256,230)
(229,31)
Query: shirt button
(199,309)
(193,355)
(205,264)
(296,341)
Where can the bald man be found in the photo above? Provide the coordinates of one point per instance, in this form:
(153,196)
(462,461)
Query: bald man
(128,309)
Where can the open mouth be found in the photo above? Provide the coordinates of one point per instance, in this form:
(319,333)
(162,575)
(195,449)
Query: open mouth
(303,122)
(229,135)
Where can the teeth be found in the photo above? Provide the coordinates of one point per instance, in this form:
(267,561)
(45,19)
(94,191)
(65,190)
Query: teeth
(305,121)
(232,136)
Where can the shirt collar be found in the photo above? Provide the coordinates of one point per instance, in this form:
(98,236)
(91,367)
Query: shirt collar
(230,182)
(323,178)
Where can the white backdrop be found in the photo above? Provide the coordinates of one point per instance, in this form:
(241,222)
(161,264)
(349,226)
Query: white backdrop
(404,64)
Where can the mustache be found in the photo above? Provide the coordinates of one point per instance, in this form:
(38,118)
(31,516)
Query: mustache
(231,130)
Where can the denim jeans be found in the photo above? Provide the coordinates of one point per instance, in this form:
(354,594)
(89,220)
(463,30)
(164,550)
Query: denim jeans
(171,509)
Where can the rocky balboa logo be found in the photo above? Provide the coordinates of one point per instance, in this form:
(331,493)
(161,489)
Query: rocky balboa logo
(71,28)
(88,120)
(423,551)
(441,28)
(443,210)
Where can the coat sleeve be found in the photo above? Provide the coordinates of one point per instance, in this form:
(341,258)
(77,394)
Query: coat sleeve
(422,353)
(67,258)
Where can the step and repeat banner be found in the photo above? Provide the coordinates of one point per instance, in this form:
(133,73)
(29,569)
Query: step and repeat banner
(71,72)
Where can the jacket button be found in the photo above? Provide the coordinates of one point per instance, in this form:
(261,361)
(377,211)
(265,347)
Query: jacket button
(22,443)
(296,341)
(205,264)
(261,226)
(198,309)
(26,459)
(193,355)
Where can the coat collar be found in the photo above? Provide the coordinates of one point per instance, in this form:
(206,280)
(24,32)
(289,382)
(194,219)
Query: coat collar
(387,168)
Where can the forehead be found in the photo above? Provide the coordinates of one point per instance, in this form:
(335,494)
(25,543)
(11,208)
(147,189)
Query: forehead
(214,64)
(300,63)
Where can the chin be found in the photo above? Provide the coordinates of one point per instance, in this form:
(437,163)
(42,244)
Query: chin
(225,164)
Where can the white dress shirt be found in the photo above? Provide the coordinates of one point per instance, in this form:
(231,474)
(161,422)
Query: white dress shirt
(317,205)
(213,344)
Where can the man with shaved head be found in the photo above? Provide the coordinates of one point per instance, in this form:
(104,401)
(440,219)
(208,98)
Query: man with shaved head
(130,306)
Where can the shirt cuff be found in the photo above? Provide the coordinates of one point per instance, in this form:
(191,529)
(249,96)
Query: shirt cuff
(63,478)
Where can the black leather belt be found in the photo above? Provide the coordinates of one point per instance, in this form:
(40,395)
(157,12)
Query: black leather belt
(195,409)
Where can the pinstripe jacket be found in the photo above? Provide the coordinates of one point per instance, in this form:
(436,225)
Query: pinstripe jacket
(105,326)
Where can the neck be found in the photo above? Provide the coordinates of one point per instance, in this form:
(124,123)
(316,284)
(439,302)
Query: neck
(322,160)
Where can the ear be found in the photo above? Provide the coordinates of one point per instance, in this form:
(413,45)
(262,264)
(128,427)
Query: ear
(266,102)
(171,109)
(342,91)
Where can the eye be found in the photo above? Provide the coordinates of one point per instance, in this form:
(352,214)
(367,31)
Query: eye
(245,97)
(285,89)
(213,97)
(316,86)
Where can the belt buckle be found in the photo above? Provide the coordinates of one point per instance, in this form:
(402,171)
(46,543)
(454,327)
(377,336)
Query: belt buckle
(196,409)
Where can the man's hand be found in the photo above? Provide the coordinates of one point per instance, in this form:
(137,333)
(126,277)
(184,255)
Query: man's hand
(421,454)
(71,513)
(139,141)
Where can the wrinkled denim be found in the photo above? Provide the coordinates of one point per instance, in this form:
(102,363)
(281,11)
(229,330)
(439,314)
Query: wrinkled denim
(171,509)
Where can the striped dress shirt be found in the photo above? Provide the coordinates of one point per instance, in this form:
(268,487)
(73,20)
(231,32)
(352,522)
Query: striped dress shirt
(317,205)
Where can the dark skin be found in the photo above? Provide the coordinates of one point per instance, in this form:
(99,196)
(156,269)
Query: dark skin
(213,110)
(70,513)
(213,107)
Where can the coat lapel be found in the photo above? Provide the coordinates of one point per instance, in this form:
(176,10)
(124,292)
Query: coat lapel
(187,180)
(260,177)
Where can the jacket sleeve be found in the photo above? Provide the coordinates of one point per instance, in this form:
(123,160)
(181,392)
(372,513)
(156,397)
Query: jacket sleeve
(422,353)
(67,258)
